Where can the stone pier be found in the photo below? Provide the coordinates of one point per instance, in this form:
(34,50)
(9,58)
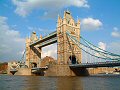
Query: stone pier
(65,70)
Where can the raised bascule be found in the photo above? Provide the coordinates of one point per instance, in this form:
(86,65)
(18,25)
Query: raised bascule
(74,53)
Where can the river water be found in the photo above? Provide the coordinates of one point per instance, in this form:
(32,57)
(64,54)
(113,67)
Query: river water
(101,82)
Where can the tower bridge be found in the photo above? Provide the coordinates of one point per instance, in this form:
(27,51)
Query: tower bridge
(70,47)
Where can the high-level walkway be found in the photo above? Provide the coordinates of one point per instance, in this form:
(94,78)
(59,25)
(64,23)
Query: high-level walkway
(47,40)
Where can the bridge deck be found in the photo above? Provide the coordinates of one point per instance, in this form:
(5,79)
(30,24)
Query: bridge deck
(38,70)
(97,64)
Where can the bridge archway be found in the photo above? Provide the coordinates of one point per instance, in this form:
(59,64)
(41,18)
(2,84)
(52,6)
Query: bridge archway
(34,65)
(73,59)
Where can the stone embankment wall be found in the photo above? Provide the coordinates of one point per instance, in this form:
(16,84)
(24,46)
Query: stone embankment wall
(64,70)
(100,70)
(24,71)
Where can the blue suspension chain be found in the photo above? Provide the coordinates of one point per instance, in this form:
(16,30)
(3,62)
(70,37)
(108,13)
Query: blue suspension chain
(88,47)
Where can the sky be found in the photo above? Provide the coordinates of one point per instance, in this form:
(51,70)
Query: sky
(100,23)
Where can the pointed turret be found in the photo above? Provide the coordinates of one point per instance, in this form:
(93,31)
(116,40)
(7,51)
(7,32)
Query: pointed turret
(33,37)
(40,37)
(59,21)
(78,23)
(64,18)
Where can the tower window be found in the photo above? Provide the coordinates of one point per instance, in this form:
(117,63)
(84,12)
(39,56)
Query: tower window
(68,22)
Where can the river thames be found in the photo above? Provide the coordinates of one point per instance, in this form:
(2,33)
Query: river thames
(101,82)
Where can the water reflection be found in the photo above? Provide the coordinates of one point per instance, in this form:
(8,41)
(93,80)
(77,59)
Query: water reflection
(32,83)
(59,83)
(69,83)
(53,83)
(40,83)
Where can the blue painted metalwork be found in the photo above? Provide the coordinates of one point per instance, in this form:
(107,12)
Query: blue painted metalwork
(96,64)
(103,54)
(48,42)
(100,50)
(48,37)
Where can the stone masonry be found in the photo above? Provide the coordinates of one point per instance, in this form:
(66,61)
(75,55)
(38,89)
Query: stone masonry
(67,51)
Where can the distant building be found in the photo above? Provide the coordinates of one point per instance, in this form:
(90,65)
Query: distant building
(47,61)
(3,68)
(12,65)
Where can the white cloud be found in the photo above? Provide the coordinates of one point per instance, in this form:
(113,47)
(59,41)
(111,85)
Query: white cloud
(116,32)
(10,42)
(23,8)
(50,50)
(115,28)
(102,45)
(90,24)
(114,47)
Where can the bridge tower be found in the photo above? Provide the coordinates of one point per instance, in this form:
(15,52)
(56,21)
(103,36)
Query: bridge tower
(33,54)
(67,51)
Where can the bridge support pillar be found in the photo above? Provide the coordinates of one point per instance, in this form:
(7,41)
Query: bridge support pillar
(33,54)
(65,70)
(65,47)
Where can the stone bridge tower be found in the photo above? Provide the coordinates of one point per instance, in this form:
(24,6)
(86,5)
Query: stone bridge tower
(33,54)
(67,51)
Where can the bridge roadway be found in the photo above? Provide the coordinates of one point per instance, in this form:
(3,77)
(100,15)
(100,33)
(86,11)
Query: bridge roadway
(39,70)
(47,40)
(96,64)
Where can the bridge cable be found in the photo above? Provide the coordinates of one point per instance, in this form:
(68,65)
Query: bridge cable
(87,47)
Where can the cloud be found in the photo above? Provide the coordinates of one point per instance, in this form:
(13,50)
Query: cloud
(102,45)
(90,24)
(114,47)
(115,29)
(50,50)
(24,7)
(116,32)
(11,44)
